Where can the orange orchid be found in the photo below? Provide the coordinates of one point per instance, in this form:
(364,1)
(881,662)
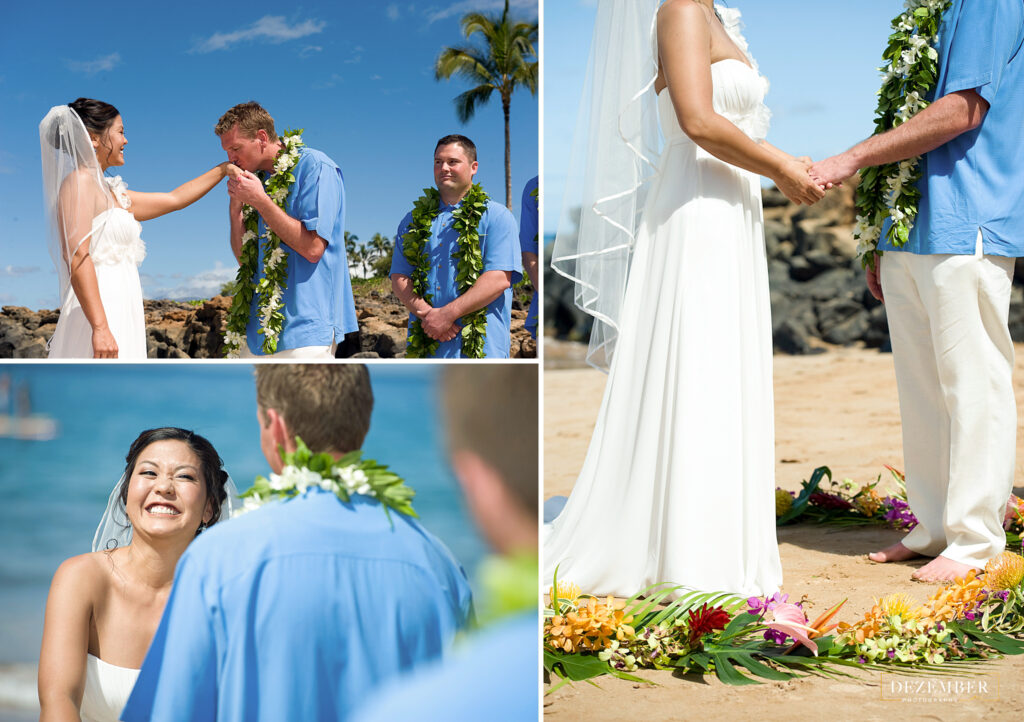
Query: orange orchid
(590,627)
(952,601)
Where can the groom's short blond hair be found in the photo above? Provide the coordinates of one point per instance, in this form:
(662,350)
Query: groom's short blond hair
(249,117)
(327,405)
(491,411)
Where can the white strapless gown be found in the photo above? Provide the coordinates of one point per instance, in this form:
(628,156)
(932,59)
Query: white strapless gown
(116,249)
(678,483)
(107,688)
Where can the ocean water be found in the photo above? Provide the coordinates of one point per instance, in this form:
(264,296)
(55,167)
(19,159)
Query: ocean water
(52,493)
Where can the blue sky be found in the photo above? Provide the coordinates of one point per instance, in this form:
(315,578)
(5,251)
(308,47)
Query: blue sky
(357,76)
(821,59)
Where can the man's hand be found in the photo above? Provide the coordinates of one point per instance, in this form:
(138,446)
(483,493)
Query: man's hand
(247,189)
(439,325)
(874,278)
(833,171)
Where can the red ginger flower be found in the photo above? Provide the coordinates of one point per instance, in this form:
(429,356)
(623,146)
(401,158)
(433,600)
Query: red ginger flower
(704,621)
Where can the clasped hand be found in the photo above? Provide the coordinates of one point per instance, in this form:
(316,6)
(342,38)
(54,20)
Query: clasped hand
(439,325)
(246,188)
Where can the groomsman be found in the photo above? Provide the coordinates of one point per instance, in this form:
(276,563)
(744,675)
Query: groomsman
(947,290)
(528,241)
(300,609)
(318,305)
(455,165)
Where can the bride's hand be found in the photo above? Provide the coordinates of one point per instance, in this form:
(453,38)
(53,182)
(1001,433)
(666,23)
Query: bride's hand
(231,170)
(103,343)
(795,183)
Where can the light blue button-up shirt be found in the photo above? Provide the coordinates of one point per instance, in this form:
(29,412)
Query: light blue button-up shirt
(500,247)
(528,224)
(976,181)
(299,611)
(318,304)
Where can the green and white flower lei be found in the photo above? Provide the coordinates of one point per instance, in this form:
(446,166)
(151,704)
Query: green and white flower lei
(469,265)
(351,474)
(888,191)
(275,260)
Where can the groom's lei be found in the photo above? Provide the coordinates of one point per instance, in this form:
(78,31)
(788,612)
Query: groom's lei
(351,474)
(275,260)
(888,191)
(469,265)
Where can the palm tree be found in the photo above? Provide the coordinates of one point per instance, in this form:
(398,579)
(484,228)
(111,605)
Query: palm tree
(501,65)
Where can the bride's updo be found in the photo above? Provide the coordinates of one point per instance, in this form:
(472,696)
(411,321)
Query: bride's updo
(96,115)
(210,462)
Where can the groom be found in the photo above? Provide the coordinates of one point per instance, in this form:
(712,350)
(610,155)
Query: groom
(317,299)
(947,290)
(455,165)
(300,609)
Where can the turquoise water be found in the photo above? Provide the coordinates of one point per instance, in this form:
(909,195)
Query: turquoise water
(53,492)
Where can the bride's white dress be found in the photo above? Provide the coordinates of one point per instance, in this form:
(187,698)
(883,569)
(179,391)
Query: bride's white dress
(116,249)
(107,688)
(678,483)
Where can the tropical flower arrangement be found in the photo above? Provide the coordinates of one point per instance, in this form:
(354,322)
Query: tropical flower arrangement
(275,260)
(845,503)
(911,69)
(747,641)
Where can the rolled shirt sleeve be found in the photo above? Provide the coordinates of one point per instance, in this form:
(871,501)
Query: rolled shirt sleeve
(501,244)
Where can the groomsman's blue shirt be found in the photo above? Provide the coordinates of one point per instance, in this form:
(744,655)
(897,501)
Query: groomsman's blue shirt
(976,180)
(318,304)
(299,611)
(493,670)
(500,248)
(528,244)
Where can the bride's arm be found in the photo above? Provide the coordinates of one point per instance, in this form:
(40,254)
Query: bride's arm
(76,213)
(152,205)
(684,43)
(65,642)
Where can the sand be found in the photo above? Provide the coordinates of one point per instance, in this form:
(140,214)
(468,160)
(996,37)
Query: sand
(837,409)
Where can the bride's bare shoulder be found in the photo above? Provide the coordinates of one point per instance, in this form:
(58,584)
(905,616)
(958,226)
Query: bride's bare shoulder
(682,11)
(84,575)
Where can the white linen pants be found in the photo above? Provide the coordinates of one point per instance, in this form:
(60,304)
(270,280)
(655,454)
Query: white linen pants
(954,362)
(304,352)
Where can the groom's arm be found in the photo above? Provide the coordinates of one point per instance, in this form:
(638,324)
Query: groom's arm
(936,125)
(248,189)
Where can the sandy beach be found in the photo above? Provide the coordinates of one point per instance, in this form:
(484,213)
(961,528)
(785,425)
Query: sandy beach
(837,409)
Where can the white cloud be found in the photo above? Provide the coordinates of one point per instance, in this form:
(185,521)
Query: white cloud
(393,12)
(329,83)
(205,284)
(91,67)
(310,50)
(16,271)
(527,8)
(269,28)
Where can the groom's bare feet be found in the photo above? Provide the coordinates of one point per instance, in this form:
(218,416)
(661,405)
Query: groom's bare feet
(941,569)
(896,553)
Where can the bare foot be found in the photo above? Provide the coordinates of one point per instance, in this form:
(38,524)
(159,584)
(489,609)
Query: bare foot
(896,553)
(941,569)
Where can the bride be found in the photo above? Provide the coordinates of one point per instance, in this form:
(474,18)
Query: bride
(96,241)
(104,607)
(678,482)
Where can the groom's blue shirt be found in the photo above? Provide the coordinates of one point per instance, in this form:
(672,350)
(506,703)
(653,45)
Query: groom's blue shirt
(976,181)
(299,611)
(499,244)
(318,305)
(528,225)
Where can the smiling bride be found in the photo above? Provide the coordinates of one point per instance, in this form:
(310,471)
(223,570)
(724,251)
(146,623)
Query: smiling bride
(104,607)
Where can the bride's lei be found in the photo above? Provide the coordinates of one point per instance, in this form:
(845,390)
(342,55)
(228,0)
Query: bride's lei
(351,474)
(275,261)
(888,191)
(469,265)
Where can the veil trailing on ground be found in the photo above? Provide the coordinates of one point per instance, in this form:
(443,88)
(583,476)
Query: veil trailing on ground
(115,530)
(73,187)
(615,152)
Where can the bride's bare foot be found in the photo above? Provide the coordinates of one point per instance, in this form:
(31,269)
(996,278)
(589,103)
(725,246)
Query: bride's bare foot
(896,553)
(941,569)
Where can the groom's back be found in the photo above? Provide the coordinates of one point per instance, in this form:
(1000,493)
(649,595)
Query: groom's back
(310,604)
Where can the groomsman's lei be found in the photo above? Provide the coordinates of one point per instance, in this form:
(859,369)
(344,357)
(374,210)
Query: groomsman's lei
(275,261)
(910,73)
(469,265)
(351,474)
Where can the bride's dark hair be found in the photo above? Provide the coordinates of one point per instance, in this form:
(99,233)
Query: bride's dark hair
(96,115)
(211,465)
